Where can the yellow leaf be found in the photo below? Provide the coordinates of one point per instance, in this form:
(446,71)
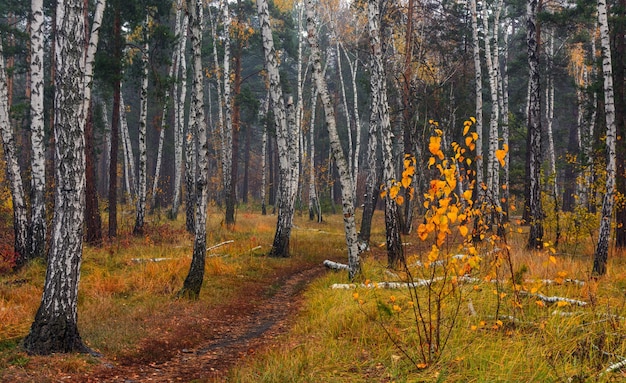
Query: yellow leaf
(540,303)
(500,154)
(562,304)
(463,230)
(468,141)
(399,200)
(552,259)
(467,195)
(421,366)
(406,182)
(466,129)
(431,162)
(435,145)
(473,120)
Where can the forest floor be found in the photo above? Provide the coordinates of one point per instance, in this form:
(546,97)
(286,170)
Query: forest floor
(198,349)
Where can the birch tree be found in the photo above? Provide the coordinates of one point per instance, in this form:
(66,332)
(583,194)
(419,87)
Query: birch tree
(20,218)
(535,214)
(393,241)
(143,120)
(227,137)
(193,281)
(38,225)
(55,328)
(479,94)
(602,248)
(347,189)
(286,138)
(179,112)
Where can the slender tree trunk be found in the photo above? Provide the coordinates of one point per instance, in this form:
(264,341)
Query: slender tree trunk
(347,189)
(193,281)
(227,138)
(505,122)
(55,328)
(535,213)
(479,97)
(20,217)
(92,213)
(143,121)
(179,115)
(129,156)
(602,249)
(115,120)
(620,145)
(392,227)
(286,139)
(173,65)
(38,226)
(93,221)
(265,108)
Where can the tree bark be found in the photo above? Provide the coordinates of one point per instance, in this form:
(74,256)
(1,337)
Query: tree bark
(535,213)
(115,120)
(179,114)
(193,281)
(602,249)
(143,121)
(286,137)
(55,326)
(394,243)
(227,138)
(38,226)
(347,189)
(479,98)
(20,218)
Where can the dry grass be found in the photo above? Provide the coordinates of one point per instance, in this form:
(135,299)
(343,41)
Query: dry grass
(126,309)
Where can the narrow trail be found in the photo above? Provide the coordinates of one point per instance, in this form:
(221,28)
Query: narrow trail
(234,332)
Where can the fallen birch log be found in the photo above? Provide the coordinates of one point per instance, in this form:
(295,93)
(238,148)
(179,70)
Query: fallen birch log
(219,245)
(336,265)
(385,285)
(554,299)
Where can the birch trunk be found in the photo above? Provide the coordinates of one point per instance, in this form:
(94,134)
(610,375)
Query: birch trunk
(55,328)
(191,160)
(129,156)
(535,214)
(392,227)
(491,58)
(264,109)
(344,100)
(227,139)
(143,120)
(314,207)
(38,225)
(347,189)
(179,115)
(173,65)
(20,219)
(193,281)
(602,249)
(479,97)
(505,121)
(285,141)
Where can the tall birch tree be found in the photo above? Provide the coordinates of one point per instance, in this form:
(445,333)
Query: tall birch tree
(602,248)
(535,214)
(55,328)
(20,218)
(193,281)
(143,121)
(286,139)
(392,227)
(347,189)
(38,225)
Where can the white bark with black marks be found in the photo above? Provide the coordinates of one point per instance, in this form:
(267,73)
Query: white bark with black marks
(143,121)
(55,328)
(286,140)
(20,218)
(602,249)
(193,282)
(345,179)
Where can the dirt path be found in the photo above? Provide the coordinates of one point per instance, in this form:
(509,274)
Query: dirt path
(236,330)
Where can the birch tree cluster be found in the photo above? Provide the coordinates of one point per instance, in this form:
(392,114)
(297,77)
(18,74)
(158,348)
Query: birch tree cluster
(313,106)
